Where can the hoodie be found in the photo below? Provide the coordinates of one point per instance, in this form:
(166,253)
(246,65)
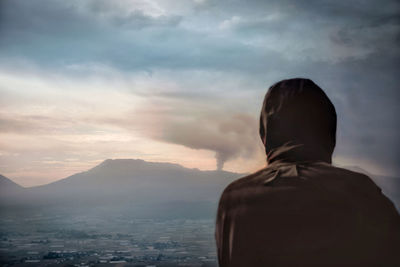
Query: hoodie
(301,210)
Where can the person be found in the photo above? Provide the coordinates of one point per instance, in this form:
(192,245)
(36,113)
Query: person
(300,210)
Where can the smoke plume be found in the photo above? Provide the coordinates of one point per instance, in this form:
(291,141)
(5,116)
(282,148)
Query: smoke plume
(230,137)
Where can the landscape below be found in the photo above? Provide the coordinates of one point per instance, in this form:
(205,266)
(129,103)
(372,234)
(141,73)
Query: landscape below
(125,212)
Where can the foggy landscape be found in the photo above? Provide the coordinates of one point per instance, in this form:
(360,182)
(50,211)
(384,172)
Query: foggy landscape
(121,211)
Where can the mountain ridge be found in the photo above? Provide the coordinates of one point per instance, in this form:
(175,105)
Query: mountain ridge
(120,181)
(7,185)
(110,162)
(130,186)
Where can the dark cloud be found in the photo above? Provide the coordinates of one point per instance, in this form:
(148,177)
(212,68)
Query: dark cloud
(326,9)
(350,48)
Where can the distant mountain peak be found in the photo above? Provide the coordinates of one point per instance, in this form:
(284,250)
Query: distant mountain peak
(110,161)
(8,186)
(135,163)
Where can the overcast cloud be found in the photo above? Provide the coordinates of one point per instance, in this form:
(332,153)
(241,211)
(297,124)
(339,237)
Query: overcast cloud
(183,81)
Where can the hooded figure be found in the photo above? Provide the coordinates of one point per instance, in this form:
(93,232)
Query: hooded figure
(300,210)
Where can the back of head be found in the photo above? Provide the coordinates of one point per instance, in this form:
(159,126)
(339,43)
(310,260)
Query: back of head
(297,114)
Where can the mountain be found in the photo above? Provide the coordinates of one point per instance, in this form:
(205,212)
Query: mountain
(8,188)
(139,179)
(139,188)
(6,185)
(9,191)
(132,186)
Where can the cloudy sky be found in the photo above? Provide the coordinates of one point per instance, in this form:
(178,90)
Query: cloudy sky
(183,81)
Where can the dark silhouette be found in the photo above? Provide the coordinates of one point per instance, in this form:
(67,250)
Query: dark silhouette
(301,210)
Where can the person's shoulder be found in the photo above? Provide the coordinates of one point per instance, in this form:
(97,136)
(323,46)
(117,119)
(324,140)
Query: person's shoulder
(364,185)
(237,190)
(351,177)
(344,172)
(353,174)
(244,182)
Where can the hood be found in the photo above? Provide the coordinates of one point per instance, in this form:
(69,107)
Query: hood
(297,122)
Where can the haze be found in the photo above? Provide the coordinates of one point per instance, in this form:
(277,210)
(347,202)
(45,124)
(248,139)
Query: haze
(183,81)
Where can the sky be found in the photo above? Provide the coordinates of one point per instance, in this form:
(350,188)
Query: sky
(183,81)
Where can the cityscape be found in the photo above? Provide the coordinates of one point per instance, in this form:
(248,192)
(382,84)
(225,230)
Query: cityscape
(81,241)
(122,212)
